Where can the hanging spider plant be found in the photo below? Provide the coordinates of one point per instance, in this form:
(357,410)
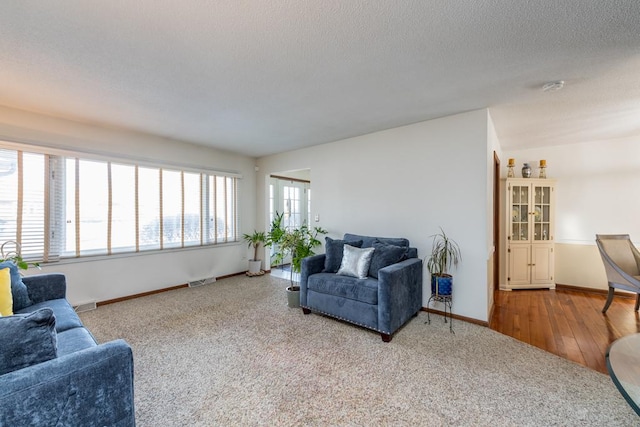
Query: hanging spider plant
(13,253)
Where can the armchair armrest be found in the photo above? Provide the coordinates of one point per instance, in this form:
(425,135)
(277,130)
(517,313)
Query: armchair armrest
(44,287)
(310,265)
(89,387)
(399,293)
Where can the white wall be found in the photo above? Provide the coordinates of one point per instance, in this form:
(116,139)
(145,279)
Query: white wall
(598,192)
(405,182)
(103,279)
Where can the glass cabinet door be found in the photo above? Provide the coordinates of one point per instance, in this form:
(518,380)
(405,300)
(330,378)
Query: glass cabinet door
(520,213)
(541,213)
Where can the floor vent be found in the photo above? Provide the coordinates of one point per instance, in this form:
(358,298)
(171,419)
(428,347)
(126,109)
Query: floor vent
(202,282)
(87,306)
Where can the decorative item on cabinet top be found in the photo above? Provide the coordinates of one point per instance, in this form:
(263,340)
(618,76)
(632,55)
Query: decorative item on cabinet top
(542,174)
(510,166)
(527,170)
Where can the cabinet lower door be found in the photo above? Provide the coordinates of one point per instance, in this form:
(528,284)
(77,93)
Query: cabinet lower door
(519,269)
(541,264)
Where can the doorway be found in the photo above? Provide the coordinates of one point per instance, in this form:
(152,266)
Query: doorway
(289,195)
(292,198)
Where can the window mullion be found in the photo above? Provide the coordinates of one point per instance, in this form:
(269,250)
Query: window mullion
(137,208)
(77,207)
(234,207)
(20,198)
(182,209)
(203,208)
(226,213)
(215,208)
(54,226)
(47,209)
(109,207)
(161,225)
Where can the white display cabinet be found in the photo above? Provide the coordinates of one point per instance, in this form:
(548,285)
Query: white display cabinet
(530,225)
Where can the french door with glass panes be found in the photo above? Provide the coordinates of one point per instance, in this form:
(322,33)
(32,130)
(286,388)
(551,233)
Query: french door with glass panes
(530,231)
(291,198)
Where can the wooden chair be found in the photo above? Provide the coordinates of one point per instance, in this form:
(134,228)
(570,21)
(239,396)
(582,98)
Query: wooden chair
(622,263)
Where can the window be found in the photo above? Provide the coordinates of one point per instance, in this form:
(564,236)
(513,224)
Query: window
(62,206)
(292,216)
(22,200)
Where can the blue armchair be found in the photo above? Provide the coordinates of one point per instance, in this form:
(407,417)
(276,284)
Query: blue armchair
(385,300)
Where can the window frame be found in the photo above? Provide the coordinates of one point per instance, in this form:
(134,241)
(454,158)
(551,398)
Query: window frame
(54,203)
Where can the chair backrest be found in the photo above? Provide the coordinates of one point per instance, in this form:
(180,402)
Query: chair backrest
(619,249)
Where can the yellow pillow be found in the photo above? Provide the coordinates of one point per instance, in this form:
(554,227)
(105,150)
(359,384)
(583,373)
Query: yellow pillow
(6,300)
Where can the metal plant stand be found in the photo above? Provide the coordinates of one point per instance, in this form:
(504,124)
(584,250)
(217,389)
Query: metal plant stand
(446,300)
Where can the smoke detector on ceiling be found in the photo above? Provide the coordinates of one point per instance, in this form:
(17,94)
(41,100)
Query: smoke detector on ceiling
(553,86)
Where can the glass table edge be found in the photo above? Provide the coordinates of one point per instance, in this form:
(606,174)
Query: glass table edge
(619,386)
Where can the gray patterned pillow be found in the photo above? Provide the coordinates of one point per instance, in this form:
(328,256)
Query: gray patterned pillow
(355,262)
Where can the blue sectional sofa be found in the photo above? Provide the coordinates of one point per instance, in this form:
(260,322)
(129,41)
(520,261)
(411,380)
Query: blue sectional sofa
(384,300)
(52,371)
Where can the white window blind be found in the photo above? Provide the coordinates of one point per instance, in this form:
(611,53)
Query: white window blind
(149,209)
(222,211)
(123,208)
(192,209)
(58,206)
(26,209)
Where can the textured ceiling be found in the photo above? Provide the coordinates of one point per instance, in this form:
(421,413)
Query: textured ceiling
(261,77)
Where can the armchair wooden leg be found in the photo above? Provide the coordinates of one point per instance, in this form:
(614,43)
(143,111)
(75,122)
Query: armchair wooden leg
(306,311)
(386,337)
(609,299)
(637,302)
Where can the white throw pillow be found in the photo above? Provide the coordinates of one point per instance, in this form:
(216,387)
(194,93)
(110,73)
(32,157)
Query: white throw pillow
(355,262)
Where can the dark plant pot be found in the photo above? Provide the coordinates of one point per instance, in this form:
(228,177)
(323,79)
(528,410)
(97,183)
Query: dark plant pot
(293,296)
(441,285)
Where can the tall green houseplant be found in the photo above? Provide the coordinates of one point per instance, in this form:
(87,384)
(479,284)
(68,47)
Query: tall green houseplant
(299,243)
(274,237)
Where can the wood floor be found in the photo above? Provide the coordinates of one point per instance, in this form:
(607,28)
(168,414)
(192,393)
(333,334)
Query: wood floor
(565,322)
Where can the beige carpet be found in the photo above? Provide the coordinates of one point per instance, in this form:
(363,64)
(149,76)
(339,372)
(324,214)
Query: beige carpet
(232,353)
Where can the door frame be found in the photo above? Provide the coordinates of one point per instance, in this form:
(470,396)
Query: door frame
(496,221)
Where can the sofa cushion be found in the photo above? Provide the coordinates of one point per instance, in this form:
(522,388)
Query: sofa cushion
(18,289)
(333,252)
(73,340)
(385,255)
(367,241)
(363,290)
(355,262)
(6,299)
(66,317)
(27,339)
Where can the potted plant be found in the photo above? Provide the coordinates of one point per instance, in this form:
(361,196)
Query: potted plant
(445,253)
(274,237)
(299,243)
(254,240)
(14,255)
